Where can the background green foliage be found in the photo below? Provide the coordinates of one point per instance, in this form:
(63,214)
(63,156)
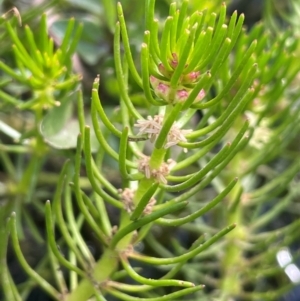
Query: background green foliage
(46,80)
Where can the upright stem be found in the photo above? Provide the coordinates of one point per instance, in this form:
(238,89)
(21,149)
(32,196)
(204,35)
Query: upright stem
(233,260)
(156,160)
(102,271)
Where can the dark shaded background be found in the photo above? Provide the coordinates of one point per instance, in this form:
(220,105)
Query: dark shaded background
(253,10)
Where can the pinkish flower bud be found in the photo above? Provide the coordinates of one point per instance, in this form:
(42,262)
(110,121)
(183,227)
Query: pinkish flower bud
(190,77)
(161,88)
(174,61)
(163,71)
(200,96)
(181,95)
(154,81)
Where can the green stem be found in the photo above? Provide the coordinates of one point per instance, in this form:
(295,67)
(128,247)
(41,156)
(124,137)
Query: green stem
(233,260)
(102,272)
(31,272)
(157,158)
(231,281)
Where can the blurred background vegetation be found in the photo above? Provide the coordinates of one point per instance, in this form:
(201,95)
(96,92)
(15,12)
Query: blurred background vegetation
(94,56)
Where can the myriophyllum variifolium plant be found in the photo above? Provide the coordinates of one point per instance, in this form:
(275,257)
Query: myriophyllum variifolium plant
(41,80)
(42,68)
(177,72)
(197,76)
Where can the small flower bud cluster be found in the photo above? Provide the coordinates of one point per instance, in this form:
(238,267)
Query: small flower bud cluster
(162,87)
(162,90)
(127,196)
(152,127)
(159,174)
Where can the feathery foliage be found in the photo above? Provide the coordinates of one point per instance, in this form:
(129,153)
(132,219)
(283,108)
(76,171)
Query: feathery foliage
(184,188)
